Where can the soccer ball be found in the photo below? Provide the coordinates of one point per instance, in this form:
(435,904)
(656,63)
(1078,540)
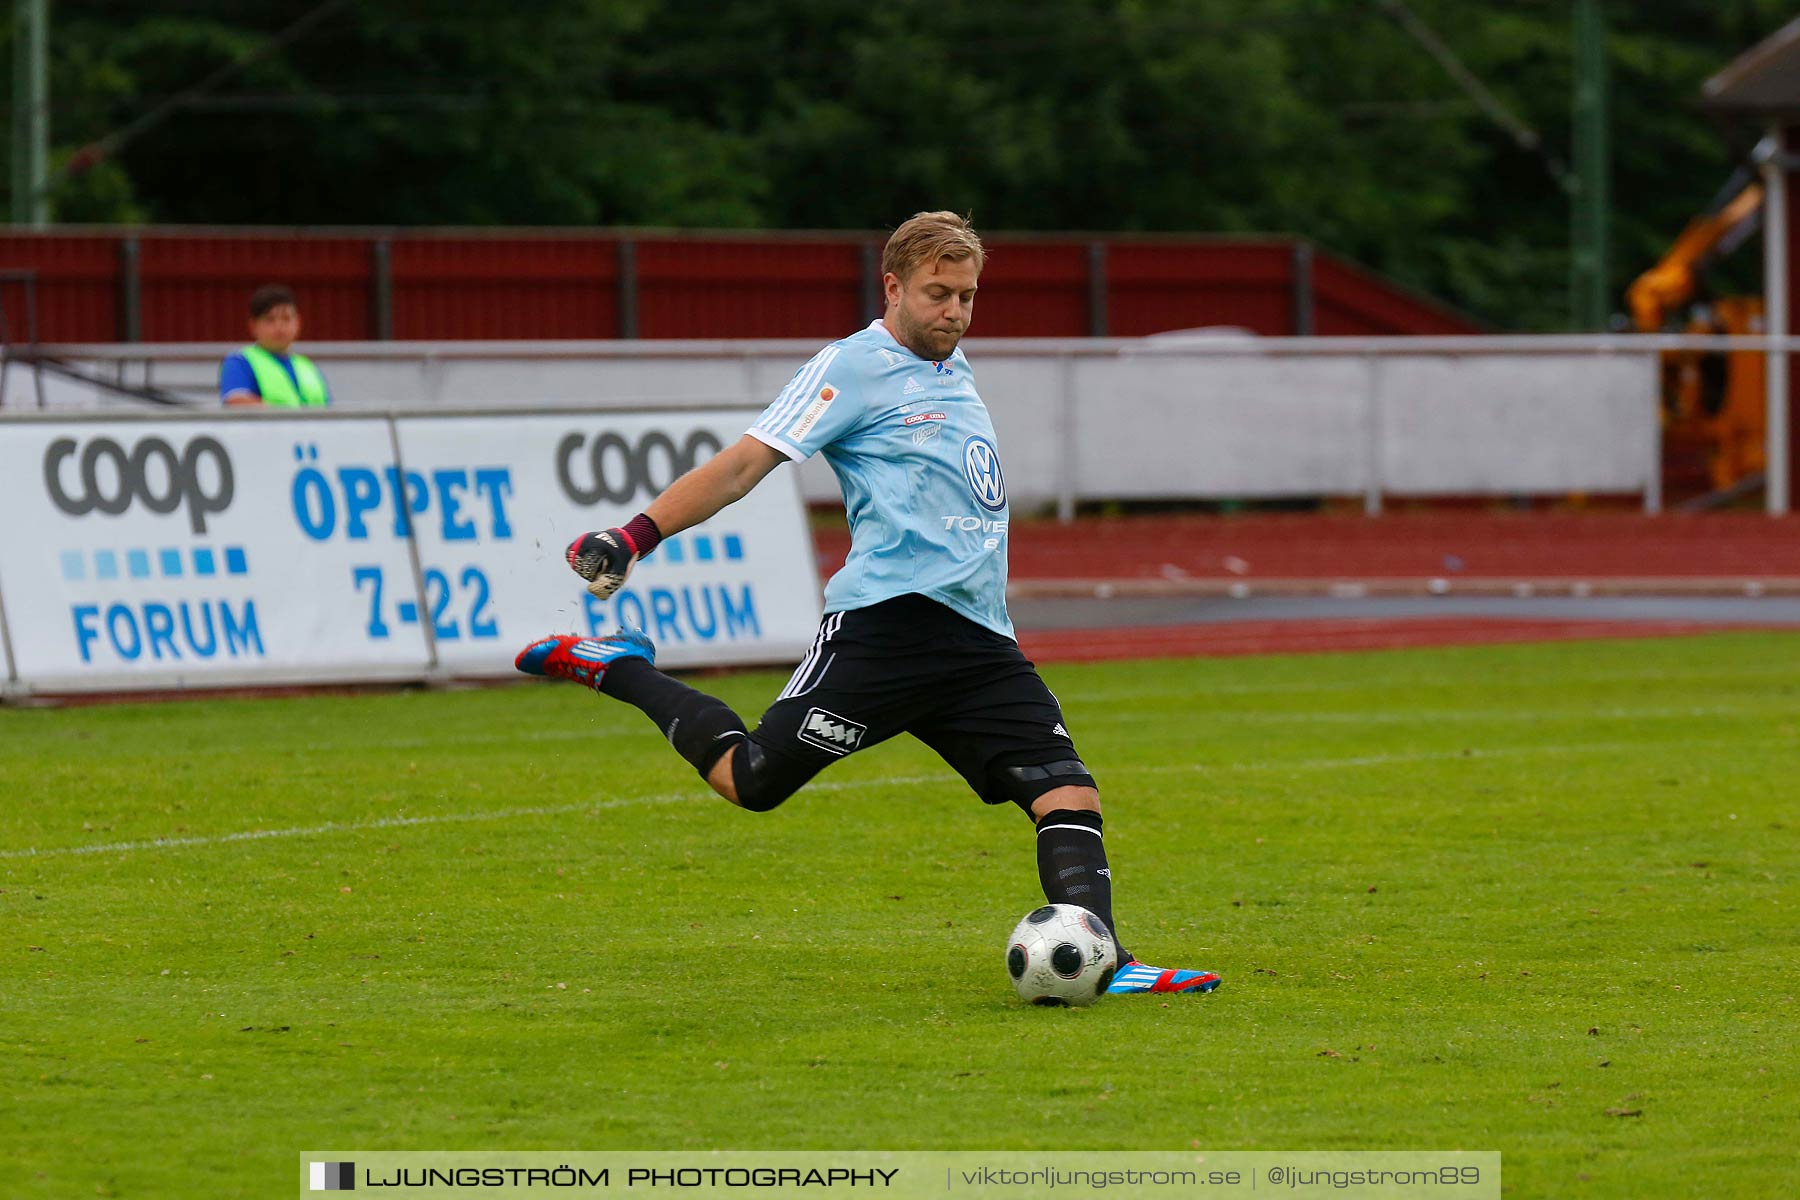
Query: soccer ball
(1061,954)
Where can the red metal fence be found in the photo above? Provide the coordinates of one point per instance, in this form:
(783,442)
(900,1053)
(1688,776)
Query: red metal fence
(178,285)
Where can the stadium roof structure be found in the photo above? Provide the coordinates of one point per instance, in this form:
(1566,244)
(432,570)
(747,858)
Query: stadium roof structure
(1763,81)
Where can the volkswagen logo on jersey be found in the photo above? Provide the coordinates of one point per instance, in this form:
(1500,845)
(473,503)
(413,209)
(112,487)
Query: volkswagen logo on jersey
(981,464)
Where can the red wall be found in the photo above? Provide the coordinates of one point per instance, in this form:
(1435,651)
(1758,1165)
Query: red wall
(77,292)
(1032,289)
(192,285)
(743,289)
(454,289)
(1155,287)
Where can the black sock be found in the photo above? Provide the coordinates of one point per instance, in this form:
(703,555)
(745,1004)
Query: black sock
(700,727)
(1072,864)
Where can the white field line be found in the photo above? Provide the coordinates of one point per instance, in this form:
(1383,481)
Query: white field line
(255,835)
(1186,692)
(504,814)
(1384,760)
(1115,715)
(497,814)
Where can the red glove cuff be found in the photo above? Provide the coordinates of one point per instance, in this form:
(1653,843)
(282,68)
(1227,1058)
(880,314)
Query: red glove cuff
(641,535)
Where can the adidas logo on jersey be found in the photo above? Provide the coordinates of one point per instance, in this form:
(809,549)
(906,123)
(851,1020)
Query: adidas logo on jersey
(828,731)
(912,386)
(1058,730)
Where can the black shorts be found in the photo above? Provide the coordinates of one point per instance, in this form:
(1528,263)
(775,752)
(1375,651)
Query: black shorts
(912,665)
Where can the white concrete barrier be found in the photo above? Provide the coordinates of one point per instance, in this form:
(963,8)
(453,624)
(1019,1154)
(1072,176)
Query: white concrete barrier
(1162,417)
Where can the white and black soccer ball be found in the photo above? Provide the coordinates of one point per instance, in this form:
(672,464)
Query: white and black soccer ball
(1061,954)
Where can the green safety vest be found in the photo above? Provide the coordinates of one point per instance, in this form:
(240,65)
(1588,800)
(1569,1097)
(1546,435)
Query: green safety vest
(277,388)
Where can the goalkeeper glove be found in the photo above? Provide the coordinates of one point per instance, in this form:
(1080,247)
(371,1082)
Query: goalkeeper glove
(605,557)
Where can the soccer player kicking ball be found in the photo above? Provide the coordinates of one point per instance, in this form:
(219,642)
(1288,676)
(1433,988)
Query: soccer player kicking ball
(915,637)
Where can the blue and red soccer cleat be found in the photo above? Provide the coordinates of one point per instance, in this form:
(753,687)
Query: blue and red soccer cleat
(584,660)
(1135,977)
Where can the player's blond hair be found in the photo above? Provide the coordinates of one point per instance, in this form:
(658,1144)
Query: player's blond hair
(927,237)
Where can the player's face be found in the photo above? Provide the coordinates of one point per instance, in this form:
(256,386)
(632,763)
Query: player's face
(929,311)
(276,329)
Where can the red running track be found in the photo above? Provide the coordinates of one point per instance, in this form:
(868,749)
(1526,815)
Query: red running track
(1669,551)
(1231,638)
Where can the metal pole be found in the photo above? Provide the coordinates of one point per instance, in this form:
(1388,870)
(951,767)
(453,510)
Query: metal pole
(874,296)
(1590,298)
(1097,289)
(1775,320)
(31,113)
(381,289)
(1303,289)
(131,294)
(628,290)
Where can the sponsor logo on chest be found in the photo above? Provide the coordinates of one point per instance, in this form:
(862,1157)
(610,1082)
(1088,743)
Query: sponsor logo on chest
(924,425)
(981,467)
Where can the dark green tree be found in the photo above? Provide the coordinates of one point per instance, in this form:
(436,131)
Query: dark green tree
(1318,118)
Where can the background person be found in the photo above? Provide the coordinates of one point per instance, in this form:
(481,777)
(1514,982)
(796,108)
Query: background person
(267,371)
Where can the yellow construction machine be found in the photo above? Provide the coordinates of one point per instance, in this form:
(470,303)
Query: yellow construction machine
(1712,400)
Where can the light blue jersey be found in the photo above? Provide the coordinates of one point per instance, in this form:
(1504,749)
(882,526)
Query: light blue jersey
(914,451)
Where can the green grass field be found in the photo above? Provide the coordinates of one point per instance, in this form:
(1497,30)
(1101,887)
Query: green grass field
(1539,899)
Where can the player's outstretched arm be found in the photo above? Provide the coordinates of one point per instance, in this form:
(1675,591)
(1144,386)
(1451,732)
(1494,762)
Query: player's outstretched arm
(723,479)
(604,558)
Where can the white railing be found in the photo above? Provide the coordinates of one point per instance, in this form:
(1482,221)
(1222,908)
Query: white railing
(1170,416)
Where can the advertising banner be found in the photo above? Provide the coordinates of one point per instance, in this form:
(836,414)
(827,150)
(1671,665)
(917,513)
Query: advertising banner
(159,552)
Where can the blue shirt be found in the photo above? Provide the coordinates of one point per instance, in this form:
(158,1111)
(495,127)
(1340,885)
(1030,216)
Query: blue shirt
(914,451)
(236,375)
